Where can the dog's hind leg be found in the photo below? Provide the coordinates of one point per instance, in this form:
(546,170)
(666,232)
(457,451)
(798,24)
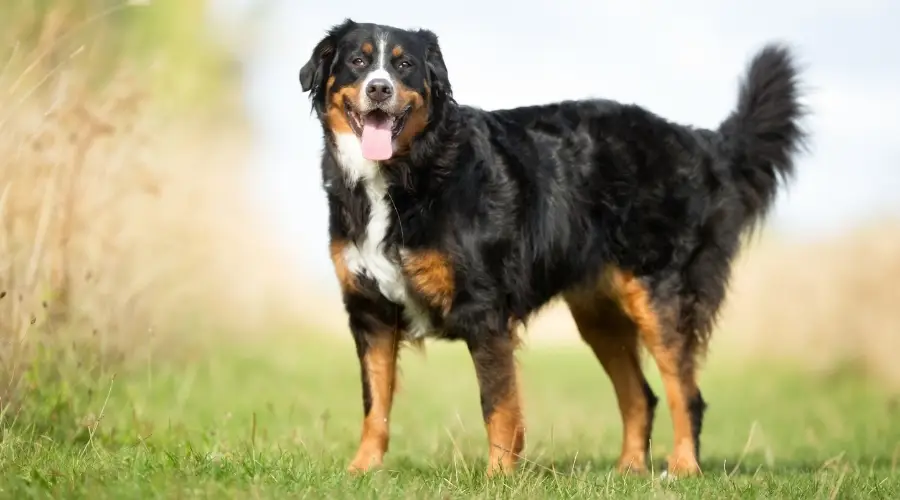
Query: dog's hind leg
(676,366)
(614,339)
(657,327)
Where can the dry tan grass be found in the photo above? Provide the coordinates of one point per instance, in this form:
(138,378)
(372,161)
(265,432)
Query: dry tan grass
(823,303)
(121,226)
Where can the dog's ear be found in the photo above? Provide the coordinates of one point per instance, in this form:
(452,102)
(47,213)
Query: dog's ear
(308,73)
(314,73)
(437,69)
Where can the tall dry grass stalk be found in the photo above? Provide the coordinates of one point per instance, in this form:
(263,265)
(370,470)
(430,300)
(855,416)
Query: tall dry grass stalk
(121,228)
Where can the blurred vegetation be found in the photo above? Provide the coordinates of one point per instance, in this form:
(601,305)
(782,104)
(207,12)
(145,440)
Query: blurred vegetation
(164,44)
(121,138)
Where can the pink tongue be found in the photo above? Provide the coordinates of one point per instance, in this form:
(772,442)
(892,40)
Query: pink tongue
(376,139)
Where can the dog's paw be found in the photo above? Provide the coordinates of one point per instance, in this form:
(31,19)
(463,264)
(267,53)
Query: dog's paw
(364,463)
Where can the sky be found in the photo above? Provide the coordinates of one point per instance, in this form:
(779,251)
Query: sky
(682,60)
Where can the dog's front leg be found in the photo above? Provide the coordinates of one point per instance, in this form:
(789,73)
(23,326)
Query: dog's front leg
(376,345)
(494,357)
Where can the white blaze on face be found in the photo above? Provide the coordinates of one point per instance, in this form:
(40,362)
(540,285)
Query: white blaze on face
(378,71)
(377,130)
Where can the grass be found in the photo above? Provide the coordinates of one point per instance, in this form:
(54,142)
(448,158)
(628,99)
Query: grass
(281,418)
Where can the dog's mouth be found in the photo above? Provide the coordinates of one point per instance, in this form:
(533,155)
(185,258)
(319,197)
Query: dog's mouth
(376,130)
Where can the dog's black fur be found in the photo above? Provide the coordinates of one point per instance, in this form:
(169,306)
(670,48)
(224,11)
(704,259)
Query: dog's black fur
(536,202)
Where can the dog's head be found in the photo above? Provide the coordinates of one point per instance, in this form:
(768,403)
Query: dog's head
(378,83)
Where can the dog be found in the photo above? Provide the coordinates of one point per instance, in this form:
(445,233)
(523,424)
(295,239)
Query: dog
(452,222)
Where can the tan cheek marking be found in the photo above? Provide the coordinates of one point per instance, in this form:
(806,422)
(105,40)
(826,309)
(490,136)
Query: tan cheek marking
(336,117)
(418,115)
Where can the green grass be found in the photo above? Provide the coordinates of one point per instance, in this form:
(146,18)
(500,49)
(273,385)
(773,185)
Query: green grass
(282,421)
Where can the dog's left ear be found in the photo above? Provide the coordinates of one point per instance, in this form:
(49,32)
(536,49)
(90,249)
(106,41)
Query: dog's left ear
(437,69)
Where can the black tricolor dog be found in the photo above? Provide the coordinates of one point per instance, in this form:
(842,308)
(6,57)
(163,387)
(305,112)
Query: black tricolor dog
(458,223)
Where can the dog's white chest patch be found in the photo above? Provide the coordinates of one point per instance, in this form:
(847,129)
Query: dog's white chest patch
(368,257)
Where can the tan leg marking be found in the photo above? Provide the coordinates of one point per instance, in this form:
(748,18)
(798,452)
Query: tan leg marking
(498,381)
(506,432)
(613,338)
(380,365)
(637,304)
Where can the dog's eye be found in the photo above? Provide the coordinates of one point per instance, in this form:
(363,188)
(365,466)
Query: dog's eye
(404,64)
(359,62)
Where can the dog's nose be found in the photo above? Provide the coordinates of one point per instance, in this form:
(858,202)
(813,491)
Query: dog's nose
(379,90)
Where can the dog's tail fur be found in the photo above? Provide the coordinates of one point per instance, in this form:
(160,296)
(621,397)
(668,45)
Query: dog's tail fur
(763,134)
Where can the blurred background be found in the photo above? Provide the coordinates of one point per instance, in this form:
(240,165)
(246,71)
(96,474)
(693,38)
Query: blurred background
(160,186)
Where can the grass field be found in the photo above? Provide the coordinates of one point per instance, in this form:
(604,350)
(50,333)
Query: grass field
(281,418)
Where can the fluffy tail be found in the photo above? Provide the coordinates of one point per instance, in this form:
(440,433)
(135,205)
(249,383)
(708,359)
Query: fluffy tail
(763,134)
